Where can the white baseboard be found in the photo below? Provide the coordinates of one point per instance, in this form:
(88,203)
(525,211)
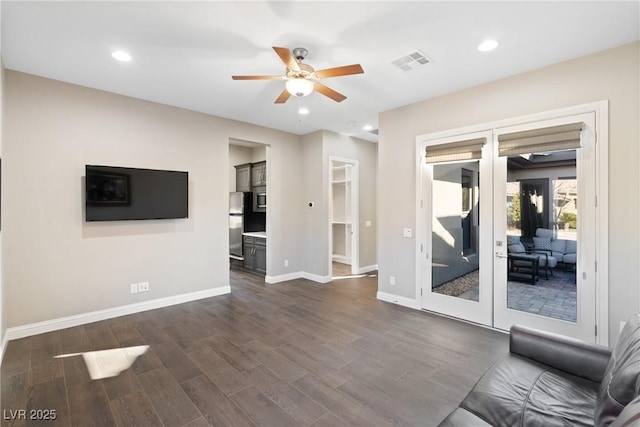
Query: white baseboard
(284,277)
(109,313)
(368,269)
(341,259)
(316,277)
(297,275)
(395,299)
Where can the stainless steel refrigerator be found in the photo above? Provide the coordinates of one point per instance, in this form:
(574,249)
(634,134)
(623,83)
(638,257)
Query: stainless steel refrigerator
(239,210)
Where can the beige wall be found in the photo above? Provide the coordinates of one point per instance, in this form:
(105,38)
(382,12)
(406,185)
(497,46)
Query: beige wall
(57,265)
(316,217)
(612,75)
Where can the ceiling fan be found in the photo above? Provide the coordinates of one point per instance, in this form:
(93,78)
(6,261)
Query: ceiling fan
(301,78)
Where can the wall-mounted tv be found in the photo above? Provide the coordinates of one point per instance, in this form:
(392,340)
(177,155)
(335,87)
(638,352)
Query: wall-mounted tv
(117,193)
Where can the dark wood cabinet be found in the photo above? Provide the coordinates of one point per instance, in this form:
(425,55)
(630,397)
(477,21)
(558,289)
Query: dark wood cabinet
(243,177)
(255,254)
(259,174)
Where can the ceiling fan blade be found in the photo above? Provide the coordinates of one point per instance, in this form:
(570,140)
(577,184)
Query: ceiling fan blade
(287,57)
(283,97)
(340,71)
(328,92)
(257,77)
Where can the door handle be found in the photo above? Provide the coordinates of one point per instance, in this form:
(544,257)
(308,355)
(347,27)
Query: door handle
(500,255)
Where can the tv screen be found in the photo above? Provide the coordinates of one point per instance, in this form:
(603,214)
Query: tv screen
(117,193)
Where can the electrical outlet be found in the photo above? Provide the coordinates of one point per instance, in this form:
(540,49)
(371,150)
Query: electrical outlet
(392,280)
(286,263)
(134,288)
(143,286)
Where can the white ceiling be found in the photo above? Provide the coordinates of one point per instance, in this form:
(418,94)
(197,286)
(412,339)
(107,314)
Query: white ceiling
(184,53)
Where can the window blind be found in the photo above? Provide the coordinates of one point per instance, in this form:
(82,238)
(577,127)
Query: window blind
(469,149)
(554,138)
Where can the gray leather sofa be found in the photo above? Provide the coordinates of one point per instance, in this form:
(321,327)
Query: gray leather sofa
(550,380)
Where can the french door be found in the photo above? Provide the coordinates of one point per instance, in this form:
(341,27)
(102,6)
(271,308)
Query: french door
(509,230)
(457,200)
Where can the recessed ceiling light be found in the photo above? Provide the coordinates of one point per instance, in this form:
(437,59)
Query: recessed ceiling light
(303,111)
(487,45)
(121,55)
(367,128)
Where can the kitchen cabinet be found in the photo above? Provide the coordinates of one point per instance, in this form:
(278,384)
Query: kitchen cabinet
(259,174)
(255,254)
(243,177)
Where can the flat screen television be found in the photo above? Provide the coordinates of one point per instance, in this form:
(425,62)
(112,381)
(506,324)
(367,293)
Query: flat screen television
(117,194)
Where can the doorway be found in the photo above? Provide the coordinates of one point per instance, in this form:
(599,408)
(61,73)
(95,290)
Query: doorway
(506,233)
(249,171)
(343,211)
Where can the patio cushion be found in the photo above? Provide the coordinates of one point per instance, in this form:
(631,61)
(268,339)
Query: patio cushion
(544,232)
(517,248)
(513,240)
(572,247)
(569,258)
(559,245)
(542,243)
(548,259)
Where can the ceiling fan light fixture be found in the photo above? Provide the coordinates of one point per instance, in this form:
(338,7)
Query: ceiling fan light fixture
(299,86)
(121,55)
(488,45)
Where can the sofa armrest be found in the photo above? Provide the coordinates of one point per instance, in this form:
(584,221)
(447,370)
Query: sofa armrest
(570,355)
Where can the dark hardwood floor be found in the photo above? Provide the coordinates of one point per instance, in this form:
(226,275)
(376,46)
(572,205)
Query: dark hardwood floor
(290,354)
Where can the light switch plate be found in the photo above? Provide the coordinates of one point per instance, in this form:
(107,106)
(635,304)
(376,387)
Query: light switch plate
(407,232)
(367,223)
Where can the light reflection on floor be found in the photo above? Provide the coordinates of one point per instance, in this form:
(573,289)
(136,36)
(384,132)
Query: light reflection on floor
(109,363)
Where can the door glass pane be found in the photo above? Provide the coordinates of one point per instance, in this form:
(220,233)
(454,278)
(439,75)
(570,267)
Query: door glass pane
(455,202)
(542,225)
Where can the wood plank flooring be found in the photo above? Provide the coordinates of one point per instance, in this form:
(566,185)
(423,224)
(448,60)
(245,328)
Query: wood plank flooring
(290,354)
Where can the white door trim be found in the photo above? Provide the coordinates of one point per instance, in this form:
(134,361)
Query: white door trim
(601,110)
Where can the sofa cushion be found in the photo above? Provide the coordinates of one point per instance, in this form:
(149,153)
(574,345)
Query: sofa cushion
(559,245)
(519,391)
(572,247)
(517,248)
(629,417)
(621,383)
(544,232)
(558,248)
(570,258)
(513,240)
(542,243)
(463,418)
(547,261)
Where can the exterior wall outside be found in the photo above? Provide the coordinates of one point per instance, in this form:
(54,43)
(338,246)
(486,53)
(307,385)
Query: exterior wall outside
(611,75)
(448,260)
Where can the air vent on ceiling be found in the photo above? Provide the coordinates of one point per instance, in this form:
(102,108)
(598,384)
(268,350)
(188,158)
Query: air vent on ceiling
(411,61)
